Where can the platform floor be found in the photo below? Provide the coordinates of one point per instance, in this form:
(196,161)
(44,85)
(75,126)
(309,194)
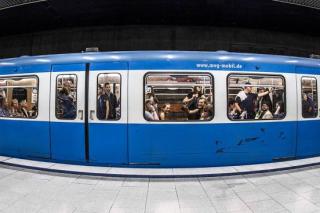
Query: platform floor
(25,190)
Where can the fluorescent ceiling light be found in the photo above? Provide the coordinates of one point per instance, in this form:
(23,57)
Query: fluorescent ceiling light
(314,4)
(6,4)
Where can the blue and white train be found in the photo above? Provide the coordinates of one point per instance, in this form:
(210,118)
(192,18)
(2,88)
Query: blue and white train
(160,108)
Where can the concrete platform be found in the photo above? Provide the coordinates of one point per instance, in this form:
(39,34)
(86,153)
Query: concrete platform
(158,172)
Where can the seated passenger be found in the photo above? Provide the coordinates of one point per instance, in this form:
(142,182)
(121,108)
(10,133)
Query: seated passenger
(163,113)
(153,98)
(264,98)
(196,113)
(264,113)
(3,108)
(150,112)
(23,109)
(14,110)
(232,110)
(207,113)
(279,113)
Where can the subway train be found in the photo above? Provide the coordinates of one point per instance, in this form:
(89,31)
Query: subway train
(159,108)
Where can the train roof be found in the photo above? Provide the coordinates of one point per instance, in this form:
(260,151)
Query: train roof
(140,56)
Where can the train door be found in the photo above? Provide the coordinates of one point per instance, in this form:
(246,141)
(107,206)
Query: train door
(108,113)
(308,113)
(67,115)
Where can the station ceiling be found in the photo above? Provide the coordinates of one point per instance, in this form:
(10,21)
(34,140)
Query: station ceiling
(23,16)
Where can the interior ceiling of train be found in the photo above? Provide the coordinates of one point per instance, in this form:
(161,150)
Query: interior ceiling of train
(22,16)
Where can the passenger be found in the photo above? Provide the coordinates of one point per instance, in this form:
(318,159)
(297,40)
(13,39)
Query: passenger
(232,110)
(150,112)
(264,113)
(164,111)
(153,98)
(279,113)
(23,109)
(308,106)
(111,102)
(265,98)
(14,110)
(207,113)
(191,101)
(196,113)
(3,108)
(246,100)
(65,104)
(101,104)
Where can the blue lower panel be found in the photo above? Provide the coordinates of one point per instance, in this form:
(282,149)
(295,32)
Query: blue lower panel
(308,138)
(67,141)
(211,145)
(108,143)
(24,138)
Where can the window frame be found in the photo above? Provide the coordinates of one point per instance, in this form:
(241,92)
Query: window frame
(115,120)
(56,93)
(38,94)
(257,74)
(317,113)
(182,73)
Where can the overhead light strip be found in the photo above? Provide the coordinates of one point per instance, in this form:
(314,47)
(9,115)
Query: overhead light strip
(314,4)
(6,4)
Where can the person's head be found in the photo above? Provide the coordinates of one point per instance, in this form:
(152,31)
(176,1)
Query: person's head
(67,85)
(64,91)
(23,104)
(107,88)
(305,97)
(166,108)
(280,105)
(148,105)
(262,90)
(247,87)
(264,107)
(201,103)
(100,90)
(15,103)
(196,89)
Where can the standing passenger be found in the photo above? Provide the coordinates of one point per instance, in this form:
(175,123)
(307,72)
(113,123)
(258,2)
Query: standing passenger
(101,104)
(111,102)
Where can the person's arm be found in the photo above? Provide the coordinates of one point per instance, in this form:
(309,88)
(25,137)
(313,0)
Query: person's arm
(193,111)
(107,109)
(187,100)
(237,107)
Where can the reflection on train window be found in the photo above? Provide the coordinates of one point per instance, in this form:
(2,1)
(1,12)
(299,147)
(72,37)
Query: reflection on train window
(66,97)
(109,96)
(309,95)
(19,97)
(256,97)
(178,97)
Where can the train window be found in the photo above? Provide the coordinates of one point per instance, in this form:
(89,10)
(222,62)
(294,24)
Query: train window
(109,96)
(19,97)
(66,97)
(309,97)
(178,97)
(256,97)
